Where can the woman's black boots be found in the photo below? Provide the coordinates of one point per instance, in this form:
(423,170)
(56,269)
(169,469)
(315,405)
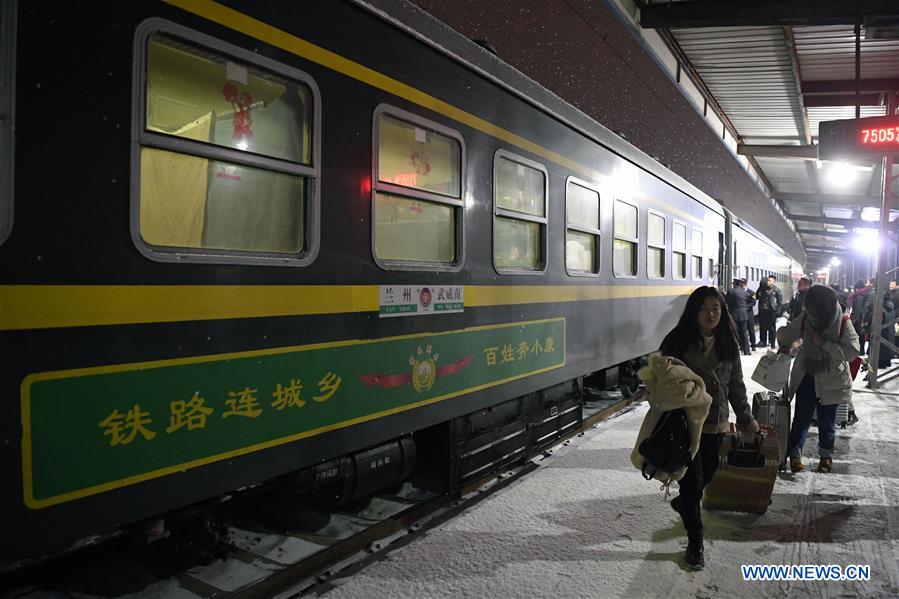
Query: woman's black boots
(694,556)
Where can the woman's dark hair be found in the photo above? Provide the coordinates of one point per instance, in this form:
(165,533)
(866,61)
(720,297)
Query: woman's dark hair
(687,333)
(822,301)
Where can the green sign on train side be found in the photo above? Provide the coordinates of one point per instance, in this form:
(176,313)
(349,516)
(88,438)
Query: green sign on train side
(134,422)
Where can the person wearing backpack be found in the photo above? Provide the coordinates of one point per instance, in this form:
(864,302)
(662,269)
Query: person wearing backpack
(820,377)
(705,340)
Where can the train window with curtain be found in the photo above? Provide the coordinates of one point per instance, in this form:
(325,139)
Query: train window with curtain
(624,251)
(697,254)
(519,225)
(679,250)
(228,153)
(582,233)
(417,193)
(655,242)
(7,94)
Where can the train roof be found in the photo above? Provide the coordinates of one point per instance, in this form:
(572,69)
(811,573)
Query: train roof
(426,28)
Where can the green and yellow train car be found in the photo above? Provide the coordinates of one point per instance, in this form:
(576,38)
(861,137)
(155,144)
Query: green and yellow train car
(243,241)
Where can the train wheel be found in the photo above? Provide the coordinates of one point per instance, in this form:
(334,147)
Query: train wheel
(628,381)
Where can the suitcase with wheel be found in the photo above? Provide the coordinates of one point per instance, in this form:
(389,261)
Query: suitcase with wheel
(745,477)
(842,418)
(773,412)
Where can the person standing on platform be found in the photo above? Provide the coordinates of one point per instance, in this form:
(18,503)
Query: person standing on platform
(750,315)
(842,297)
(705,340)
(856,304)
(820,377)
(887,332)
(798,302)
(737,303)
(770,299)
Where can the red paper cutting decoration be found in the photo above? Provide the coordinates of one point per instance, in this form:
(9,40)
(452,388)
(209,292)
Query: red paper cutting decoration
(241,102)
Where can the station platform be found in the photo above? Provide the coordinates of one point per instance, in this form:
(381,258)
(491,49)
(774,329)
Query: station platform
(586,524)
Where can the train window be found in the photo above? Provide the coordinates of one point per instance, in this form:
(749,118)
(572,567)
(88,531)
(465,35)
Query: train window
(711,274)
(697,254)
(417,193)
(582,231)
(228,153)
(408,229)
(679,250)
(519,225)
(7,84)
(655,241)
(418,158)
(624,252)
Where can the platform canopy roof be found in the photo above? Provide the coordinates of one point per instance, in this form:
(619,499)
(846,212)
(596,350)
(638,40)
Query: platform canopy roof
(774,70)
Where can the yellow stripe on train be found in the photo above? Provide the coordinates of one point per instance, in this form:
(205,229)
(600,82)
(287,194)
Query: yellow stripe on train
(54,306)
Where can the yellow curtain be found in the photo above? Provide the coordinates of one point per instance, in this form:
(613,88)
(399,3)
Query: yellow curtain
(173,191)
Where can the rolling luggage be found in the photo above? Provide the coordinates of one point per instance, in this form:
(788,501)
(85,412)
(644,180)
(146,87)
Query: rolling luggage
(842,418)
(746,474)
(773,412)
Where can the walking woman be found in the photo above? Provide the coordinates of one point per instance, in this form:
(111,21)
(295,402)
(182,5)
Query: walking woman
(705,340)
(820,376)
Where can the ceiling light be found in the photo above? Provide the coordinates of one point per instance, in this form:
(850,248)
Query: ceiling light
(871,214)
(840,174)
(833,212)
(867,241)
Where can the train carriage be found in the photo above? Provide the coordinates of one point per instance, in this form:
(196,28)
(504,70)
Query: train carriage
(754,257)
(249,242)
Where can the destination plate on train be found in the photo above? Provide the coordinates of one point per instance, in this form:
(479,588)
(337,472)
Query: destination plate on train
(420,300)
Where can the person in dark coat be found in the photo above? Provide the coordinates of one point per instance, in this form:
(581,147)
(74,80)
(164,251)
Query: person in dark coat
(738,304)
(887,333)
(770,298)
(856,304)
(750,315)
(705,340)
(798,301)
(842,296)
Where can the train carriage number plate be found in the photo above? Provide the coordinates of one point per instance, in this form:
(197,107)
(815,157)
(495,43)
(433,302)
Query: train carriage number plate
(420,300)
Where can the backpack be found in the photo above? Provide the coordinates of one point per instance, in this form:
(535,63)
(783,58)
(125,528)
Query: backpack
(668,447)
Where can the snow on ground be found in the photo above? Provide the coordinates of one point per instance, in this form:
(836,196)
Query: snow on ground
(586,524)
